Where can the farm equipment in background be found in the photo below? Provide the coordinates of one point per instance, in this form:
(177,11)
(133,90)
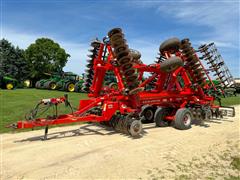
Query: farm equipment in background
(8,82)
(177,95)
(79,84)
(237,84)
(67,82)
(50,83)
(59,81)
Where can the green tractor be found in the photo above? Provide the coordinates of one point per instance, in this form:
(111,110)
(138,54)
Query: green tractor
(222,91)
(79,85)
(7,82)
(68,81)
(50,83)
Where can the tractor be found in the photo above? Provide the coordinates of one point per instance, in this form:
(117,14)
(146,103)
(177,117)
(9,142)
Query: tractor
(68,81)
(50,83)
(8,83)
(176,97)
(78,85)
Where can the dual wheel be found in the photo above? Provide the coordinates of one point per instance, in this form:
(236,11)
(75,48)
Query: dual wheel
(70,87)
(182,121)
(51,85)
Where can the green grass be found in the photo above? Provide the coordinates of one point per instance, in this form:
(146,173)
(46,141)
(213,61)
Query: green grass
(229,101)
(16,103)
(236,163)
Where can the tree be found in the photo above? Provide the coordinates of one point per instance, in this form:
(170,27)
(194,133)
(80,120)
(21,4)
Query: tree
(45,56)
(12,61)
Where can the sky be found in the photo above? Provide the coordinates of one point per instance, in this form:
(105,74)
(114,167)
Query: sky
(146,24)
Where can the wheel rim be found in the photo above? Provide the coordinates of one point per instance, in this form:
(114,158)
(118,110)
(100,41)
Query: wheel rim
(187,119)
(53,86)
(135,128)
(149,114)
(9,86)
(27,83)
(71,87)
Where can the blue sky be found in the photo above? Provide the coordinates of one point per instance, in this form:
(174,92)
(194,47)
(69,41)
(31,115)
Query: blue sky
(73,24)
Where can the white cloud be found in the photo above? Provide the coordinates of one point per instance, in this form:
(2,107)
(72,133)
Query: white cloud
(218,20)
(78,51)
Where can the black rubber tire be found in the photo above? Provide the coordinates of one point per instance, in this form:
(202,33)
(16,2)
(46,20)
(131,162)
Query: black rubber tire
(37,84)
(148,113)
(180,119)
(45,85)
(171,64)
(66,88)
(135,54)
(76,88)
(172,45)
(48,85)
(160,115)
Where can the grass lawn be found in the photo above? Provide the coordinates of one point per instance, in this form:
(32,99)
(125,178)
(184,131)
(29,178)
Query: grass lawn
(229,101)
(16,103)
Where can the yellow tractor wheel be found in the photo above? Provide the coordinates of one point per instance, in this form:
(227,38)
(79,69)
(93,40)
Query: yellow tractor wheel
(27,83)
(71,87)
(53,86)
(9,86)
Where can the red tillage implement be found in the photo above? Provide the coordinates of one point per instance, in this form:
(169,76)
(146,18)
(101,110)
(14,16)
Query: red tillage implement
(174,94)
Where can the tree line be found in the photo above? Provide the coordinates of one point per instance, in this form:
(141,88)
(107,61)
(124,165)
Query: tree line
(41,57)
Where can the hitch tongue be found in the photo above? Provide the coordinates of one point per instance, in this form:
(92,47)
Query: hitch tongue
(13,125)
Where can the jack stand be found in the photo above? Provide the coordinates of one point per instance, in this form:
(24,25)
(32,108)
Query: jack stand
(45,134)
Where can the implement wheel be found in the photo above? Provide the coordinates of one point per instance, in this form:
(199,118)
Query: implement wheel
(171,64)
(172,45)
(160,115)
(148,114)
(183,119)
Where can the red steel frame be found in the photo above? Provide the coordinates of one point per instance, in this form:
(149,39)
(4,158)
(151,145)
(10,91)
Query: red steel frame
(113,101)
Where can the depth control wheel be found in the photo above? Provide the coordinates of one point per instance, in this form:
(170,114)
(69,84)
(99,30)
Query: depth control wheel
(171,64)
(183,119)
(171,45)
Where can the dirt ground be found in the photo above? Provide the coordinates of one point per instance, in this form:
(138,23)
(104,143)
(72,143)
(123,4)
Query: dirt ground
(205,151)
